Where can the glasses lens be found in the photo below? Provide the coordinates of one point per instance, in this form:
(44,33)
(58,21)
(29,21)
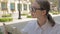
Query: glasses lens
(32,9)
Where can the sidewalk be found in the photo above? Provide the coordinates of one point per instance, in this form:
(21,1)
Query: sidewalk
(56,18)
(55,15)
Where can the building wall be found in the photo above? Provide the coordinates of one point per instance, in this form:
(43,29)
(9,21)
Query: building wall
(0,5)
(22,2)
(59,5)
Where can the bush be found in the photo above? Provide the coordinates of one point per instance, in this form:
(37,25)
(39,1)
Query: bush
(23,14)
(5,19)
(29,16)
(56,12)
(6,15)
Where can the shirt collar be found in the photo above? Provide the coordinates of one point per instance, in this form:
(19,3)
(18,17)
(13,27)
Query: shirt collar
(44,27)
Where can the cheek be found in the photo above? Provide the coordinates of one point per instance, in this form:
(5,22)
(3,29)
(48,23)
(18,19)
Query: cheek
(33,15)
(38,14)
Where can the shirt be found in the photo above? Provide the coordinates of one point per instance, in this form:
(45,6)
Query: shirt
(33,28)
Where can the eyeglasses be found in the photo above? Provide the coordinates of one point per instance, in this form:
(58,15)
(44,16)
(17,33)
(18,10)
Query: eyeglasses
(34,9)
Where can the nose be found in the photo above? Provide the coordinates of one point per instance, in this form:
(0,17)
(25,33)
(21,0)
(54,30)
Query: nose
(33,15)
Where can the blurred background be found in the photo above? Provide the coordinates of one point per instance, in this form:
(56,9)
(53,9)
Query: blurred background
(21,8)
(15,7)
(15,14)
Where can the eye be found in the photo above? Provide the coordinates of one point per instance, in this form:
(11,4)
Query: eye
(32,9)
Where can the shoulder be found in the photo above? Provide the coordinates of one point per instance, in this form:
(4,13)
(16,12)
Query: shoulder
(57,28)
(57,25)
(29,26)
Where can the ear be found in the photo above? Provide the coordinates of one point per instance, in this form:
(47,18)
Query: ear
(44,12)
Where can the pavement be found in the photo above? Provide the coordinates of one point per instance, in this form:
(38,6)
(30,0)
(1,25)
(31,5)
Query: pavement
(56,18)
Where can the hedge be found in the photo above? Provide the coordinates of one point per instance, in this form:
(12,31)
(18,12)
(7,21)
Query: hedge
(23,14)
(29,16)
(5,19)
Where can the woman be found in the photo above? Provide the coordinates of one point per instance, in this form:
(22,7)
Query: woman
(44,23)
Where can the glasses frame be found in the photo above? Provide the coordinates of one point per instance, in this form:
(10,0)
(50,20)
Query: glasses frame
(34,9)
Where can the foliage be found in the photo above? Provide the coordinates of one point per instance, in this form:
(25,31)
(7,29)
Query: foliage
(29,16)
(23,14)
(55,12)
(5,19)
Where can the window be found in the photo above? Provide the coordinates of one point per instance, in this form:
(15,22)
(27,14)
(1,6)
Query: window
(12,6)
(3,5)
(25,6)
(19,7)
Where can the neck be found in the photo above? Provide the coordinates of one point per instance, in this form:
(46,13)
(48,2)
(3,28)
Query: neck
(41,21)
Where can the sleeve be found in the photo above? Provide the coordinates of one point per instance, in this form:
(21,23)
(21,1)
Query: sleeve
(27,28)
(58,29)
(24,32)
(58,32)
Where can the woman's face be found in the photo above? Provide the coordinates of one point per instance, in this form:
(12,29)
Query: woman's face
(35,12)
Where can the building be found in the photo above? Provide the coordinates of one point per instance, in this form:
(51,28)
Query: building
(54,4)
(10,6)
